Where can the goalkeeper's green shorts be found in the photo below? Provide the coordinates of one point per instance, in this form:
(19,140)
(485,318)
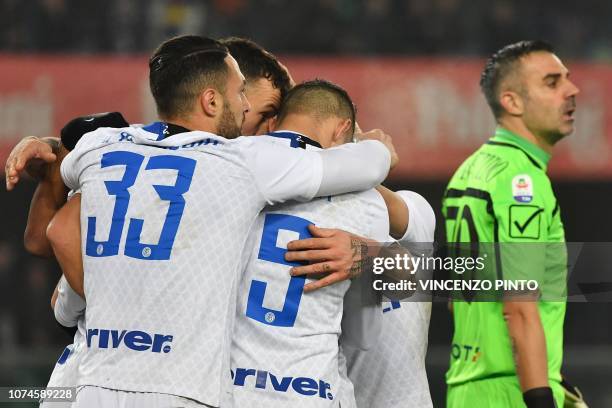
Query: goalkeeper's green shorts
(498,392)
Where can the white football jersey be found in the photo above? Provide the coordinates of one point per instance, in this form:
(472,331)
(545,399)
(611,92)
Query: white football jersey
(285,343)
(69,308)
(392,374)
(164,225)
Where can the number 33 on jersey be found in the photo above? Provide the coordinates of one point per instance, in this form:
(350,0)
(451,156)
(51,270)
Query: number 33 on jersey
(184,168)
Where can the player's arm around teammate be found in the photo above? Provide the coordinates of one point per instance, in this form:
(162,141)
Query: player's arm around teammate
(337,253)
(41,158)
(342,255)
(64,235)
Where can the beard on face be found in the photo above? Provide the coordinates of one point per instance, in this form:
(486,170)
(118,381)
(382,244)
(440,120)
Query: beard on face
(567,108)
(553,136)
(550,124)
(227,127)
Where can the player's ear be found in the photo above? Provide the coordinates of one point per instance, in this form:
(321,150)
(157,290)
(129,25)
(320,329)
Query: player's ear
(343,128)
(512,103)
(273,123)
(357,128)
(211,102)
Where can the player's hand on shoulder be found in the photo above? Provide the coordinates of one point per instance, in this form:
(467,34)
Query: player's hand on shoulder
(384,138)
(334,253)
(32,154)
(29,156)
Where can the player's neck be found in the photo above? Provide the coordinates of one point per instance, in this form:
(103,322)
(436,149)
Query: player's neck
(191,124)
(302,125)
(518,128)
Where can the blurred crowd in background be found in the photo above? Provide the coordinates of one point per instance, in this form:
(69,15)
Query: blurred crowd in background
(31,280)
(409,27)
(27,283)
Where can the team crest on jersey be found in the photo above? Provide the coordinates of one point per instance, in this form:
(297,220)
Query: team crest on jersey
(522,188)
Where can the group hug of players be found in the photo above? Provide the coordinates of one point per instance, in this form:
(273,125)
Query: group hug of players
(203,268)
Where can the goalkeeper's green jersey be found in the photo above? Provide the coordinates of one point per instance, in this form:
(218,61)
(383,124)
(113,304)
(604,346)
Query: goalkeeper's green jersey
(501,194)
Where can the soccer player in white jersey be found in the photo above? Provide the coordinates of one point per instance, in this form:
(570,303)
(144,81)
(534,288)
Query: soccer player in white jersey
(267,81)
(69,310)
(171,335)
(285,342)
(391,373)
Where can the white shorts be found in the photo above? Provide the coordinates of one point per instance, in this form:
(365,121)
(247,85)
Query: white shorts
(98,397)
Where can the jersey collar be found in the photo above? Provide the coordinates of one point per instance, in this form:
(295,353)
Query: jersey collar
(297,139)
(505,136)
(163,130)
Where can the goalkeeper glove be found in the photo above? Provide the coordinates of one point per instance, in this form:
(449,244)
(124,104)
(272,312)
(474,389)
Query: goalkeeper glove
(541,397)
(573,396)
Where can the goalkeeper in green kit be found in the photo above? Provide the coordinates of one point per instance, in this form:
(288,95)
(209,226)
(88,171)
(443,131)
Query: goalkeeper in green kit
(509,353)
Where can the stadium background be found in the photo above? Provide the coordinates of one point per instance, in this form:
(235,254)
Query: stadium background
(412,67)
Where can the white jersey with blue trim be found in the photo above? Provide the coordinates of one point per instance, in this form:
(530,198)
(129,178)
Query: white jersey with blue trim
(164,220)
(66,370)
(285,343)
(392,373)
(69,310)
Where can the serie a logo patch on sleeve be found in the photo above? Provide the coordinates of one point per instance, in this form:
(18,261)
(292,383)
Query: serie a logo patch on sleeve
(522,188)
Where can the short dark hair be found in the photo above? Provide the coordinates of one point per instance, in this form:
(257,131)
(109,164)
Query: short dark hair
(255,62)
(501,64)
(319,98)
(181,68)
